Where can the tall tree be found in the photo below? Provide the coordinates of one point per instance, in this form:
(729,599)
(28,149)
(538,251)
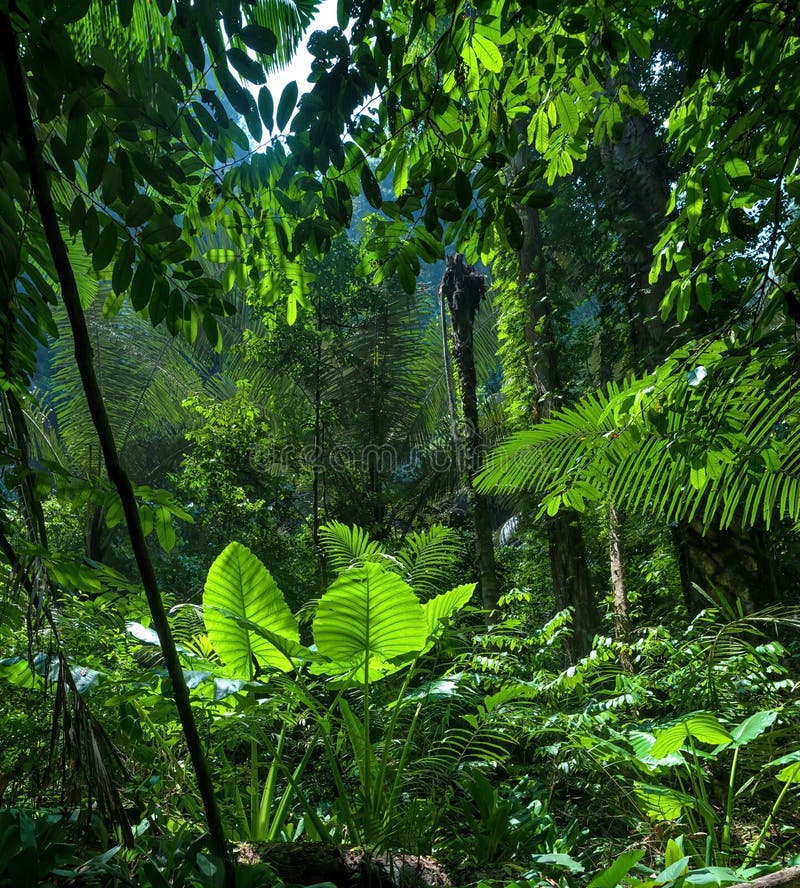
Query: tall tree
(463,289)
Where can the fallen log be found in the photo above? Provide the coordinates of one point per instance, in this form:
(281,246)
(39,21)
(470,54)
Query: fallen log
(785,878)
(309,863)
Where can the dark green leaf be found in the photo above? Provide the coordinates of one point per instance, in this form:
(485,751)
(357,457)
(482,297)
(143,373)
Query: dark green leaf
(372,190)
(91,230)
(286,104)
(112,183)
(259,38)
(537,199)
(62,157)
(142,286)
(139,211)
(463,189)
(125,10)
(98,158)
(76,130)
(249,68)
(513,228)
(106,247)
(123,268)
(77,214)
(236,94)
(266,108)
(160,230)
(254,124)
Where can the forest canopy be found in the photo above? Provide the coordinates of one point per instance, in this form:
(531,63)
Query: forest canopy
(394,461)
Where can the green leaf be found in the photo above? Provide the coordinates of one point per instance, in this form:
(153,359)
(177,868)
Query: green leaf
(367,618)
(249,68)
(567,112)
(286,104)
(259,38)
(164,529)
(737,171)
(266,108)
(123,268)
(702,726)
(488,54)
(140,210)
(673,871)
(142,286)
(98,158)
(443,606)
(694,201)
(620,868)
(561,861)
(239,584)
(372,190)
(753,727)
(106,247)
(702,289)
(220,255)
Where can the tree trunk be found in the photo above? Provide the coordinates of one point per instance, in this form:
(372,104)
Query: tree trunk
(463,288)
(619,591)
(572,582)
(9,53)
(309,863)
(616,529)
(727,564)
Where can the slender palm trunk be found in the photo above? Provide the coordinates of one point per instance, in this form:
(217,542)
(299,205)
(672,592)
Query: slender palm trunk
(84,357)
(463,288)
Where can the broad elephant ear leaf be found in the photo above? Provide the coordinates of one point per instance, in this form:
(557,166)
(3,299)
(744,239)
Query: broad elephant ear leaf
(239,586)
(443,606)
(369,618)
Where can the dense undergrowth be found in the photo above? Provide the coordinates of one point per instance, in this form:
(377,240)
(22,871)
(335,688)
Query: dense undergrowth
(667,759)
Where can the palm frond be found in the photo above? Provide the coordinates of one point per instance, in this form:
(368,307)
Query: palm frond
(713,440)
(347,547)
(427,556)
(145,375)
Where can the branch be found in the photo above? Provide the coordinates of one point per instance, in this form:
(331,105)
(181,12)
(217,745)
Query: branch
(26,134)
(785,878)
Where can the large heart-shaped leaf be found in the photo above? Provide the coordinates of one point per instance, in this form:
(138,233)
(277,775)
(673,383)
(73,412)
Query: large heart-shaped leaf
(368,616)
(239,584)
(443,606)
(700,726)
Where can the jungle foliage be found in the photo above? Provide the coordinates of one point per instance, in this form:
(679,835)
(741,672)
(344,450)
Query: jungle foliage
(252,465)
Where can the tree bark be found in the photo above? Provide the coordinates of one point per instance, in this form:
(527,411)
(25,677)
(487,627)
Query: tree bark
(314,862)
(785,878)
(727,564)
(572,582)
(84,358)
(619,591)
(463,289)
